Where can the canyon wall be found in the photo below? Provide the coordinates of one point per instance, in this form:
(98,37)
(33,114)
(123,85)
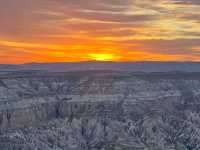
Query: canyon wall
(146,107)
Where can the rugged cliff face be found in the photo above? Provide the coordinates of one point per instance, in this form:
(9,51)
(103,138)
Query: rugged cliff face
(101,110)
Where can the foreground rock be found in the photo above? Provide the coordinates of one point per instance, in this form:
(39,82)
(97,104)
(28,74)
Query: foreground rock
(99,111)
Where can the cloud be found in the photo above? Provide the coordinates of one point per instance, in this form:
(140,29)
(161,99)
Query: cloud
(157,28)
(193,2)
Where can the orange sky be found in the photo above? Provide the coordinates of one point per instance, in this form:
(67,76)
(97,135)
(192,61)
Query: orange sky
(103,30)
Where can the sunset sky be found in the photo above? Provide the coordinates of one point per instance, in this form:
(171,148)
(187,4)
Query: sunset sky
(103,30)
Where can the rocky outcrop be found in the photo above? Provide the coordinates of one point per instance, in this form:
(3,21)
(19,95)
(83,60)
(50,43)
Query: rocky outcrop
(100,111)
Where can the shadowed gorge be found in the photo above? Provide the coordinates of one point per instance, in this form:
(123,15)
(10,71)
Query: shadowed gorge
(99,110)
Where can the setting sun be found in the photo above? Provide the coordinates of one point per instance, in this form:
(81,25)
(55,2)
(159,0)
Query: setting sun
(104,57)
(102,30)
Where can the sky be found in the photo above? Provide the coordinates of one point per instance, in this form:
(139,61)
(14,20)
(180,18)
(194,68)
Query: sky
(101,30)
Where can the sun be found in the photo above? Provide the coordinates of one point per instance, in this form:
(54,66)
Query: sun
(104,57)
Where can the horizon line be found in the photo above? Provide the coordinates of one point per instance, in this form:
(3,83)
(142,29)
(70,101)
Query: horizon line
(95,61)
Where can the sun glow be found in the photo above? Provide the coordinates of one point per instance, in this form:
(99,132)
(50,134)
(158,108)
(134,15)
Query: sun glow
(104,57)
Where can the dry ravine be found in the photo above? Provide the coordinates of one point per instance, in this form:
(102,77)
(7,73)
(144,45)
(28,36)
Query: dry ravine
(99,110)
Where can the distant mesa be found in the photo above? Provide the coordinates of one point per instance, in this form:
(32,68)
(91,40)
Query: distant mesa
(146,66)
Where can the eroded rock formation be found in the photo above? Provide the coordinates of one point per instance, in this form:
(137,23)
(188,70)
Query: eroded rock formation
(99,111)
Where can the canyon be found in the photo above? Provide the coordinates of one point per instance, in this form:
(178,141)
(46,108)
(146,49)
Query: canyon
(99,110)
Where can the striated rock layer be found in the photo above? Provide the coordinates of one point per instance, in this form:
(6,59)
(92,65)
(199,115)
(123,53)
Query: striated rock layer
(99,110)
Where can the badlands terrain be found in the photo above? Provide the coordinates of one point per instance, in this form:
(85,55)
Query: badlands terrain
(99,110)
